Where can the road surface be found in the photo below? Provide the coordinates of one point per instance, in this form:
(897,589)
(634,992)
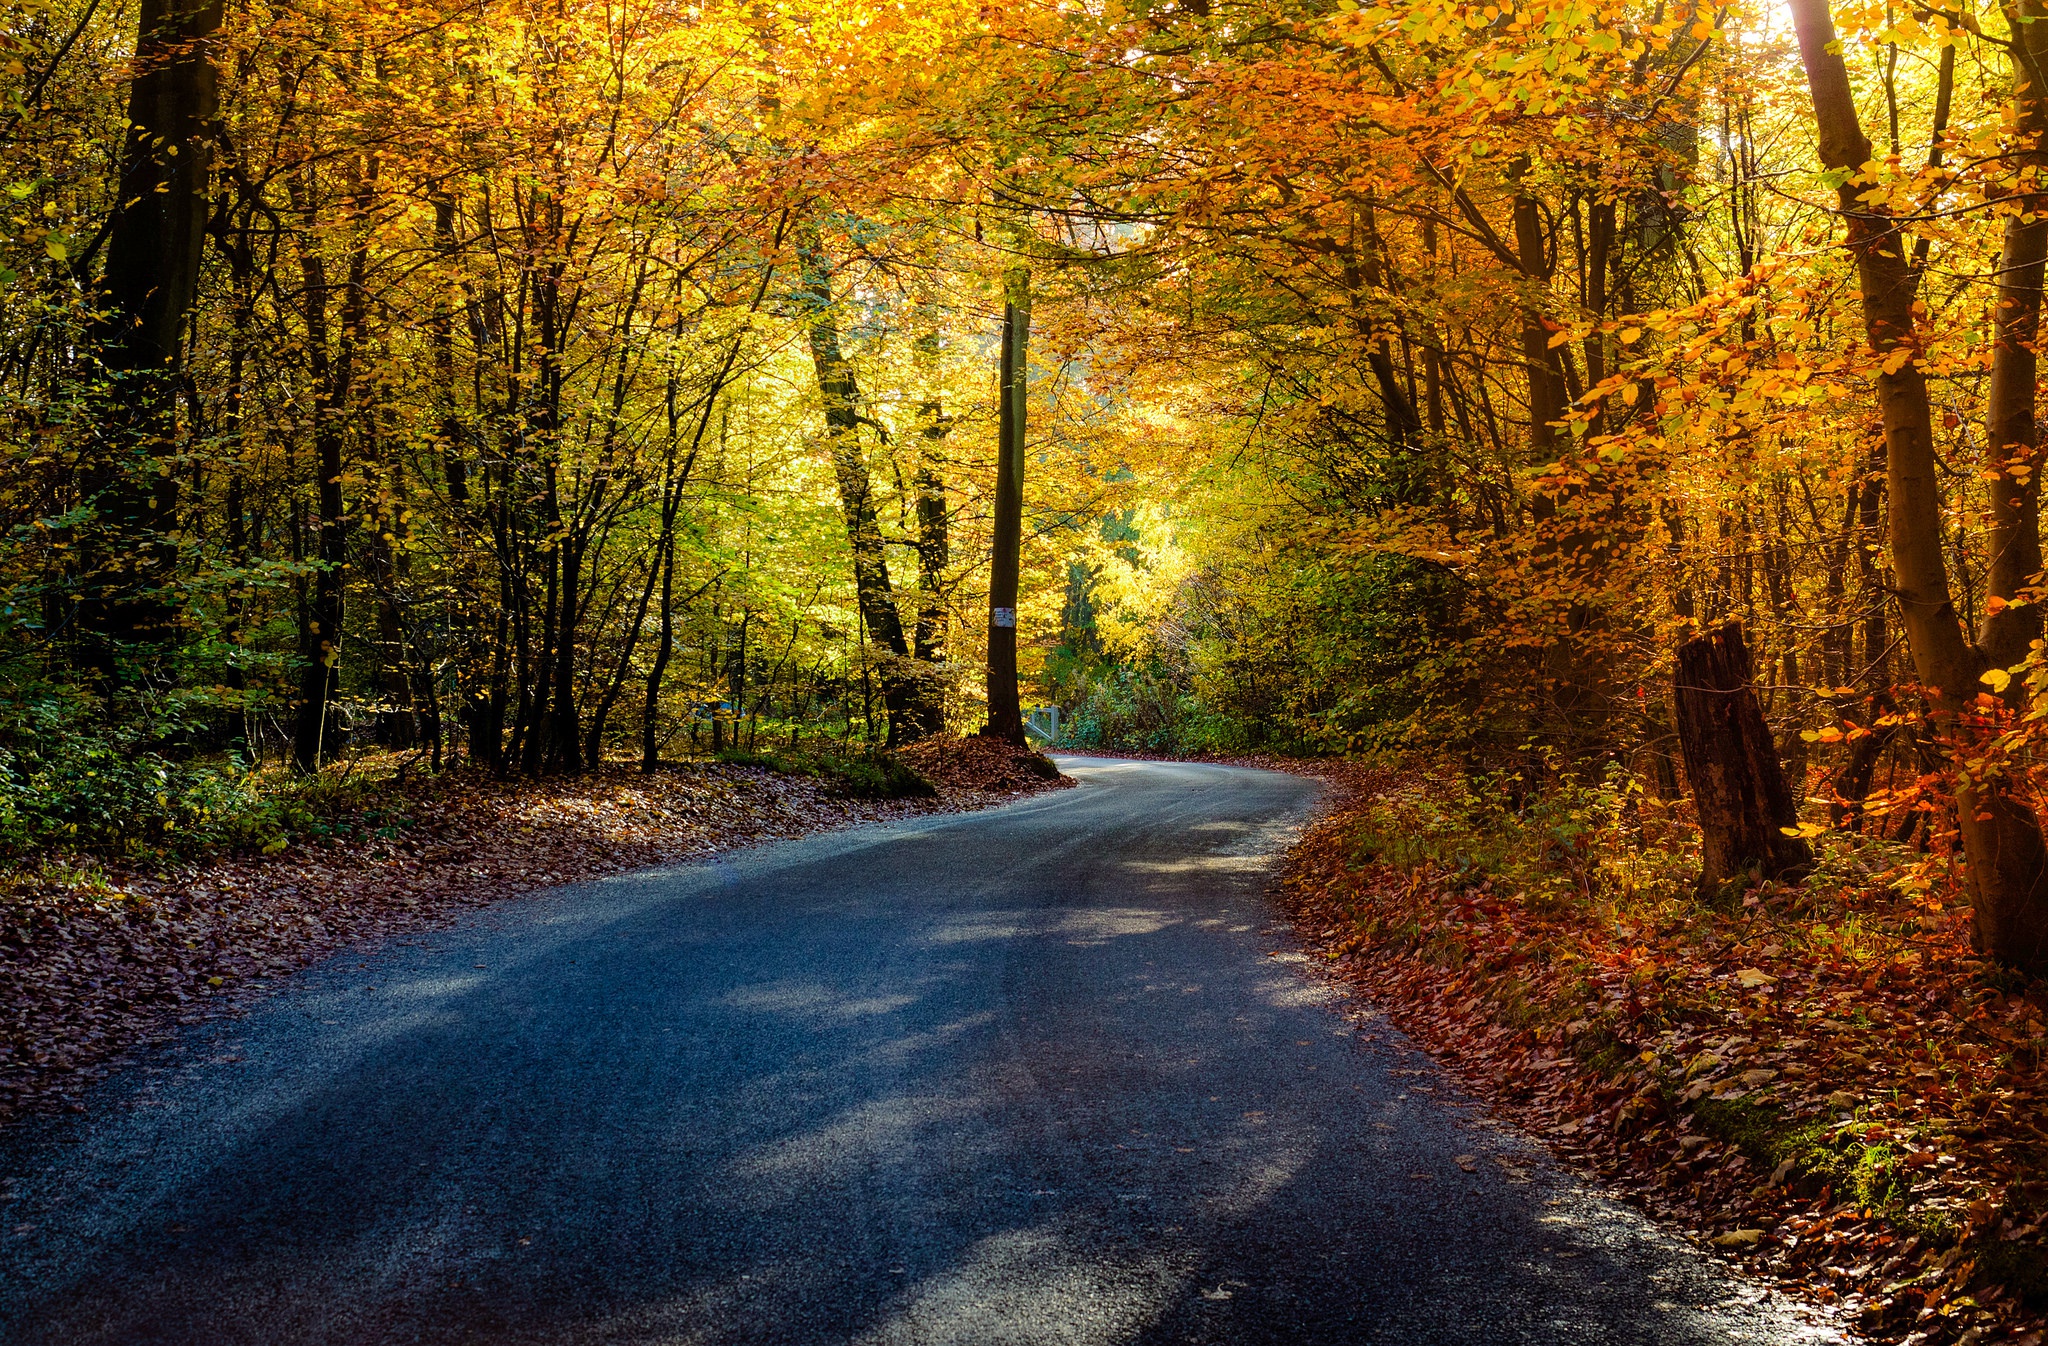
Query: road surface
(1049,1073)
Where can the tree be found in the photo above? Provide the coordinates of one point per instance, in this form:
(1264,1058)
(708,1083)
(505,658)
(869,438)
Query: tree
(1005,714)
(155,237)
(2001,834)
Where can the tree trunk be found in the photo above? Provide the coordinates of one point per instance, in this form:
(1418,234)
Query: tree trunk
(934,554)
(1738,787)
(2001,835)
(664,649)
(332,378)
(154,247)
(2011,447)
(1546,382)
(1005,714)
(843,420)
(441,334)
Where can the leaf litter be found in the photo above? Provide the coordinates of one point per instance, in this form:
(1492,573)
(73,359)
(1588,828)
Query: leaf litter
(100,957)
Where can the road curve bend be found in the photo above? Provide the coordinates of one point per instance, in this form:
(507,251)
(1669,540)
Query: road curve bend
(1048,1073)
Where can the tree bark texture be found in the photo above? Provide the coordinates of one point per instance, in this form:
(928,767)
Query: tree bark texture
(1738,786)
(934,554)
(1005,713)
(332,377)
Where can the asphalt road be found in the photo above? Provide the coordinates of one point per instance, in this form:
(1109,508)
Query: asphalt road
(1045,1074)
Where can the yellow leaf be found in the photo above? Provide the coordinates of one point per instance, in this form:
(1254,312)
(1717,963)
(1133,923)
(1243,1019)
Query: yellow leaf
(1630,393)
(1997,679)
(1898,359)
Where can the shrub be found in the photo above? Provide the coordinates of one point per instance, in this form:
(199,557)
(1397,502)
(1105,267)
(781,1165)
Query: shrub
(865,775)
(68,780)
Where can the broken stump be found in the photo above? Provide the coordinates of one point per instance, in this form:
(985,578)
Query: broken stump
(1738,784)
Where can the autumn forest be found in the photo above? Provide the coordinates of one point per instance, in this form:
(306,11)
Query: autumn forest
(534,387)
(1609,431)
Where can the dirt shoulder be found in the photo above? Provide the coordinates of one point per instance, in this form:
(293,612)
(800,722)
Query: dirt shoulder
(98,958)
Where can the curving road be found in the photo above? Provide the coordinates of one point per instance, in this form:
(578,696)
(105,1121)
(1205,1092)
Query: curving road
(1044,1074)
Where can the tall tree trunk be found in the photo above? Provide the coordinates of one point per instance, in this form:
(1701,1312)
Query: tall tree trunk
(391,566)
(236,601)
(934,554)
(564,730)
(1546,381)
(441,332)
(154,246)
(664,649)
(1572,548)
(1005,713)
(486,713)
(2001,835)
(843,419)
(2011,441)
(332,376)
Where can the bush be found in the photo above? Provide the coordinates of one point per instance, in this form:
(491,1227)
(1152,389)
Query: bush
(69,780)
(866,775)
(1560,836)
(1141,706)
(878,775)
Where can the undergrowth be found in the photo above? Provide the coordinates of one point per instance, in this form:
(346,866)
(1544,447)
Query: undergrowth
(866,775)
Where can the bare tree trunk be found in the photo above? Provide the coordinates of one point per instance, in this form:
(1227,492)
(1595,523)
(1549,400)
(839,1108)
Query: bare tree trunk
(390,567)
(843,419)
(2001,835)
(1738,787)
(333,377)
(2011,441)
(154,247)
(1546,382)
(664,650)
(1005,713)
(934,554)
(441,333)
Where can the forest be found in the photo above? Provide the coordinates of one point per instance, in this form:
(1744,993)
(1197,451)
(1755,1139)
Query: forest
(1615,422)
(526,388)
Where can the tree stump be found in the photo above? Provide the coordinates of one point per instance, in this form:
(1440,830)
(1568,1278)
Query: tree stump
(1738,785)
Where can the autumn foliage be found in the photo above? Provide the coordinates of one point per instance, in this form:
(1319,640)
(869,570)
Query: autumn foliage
(531,388)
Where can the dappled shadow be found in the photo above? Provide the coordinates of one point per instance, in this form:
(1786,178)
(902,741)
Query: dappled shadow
(1022,1080)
